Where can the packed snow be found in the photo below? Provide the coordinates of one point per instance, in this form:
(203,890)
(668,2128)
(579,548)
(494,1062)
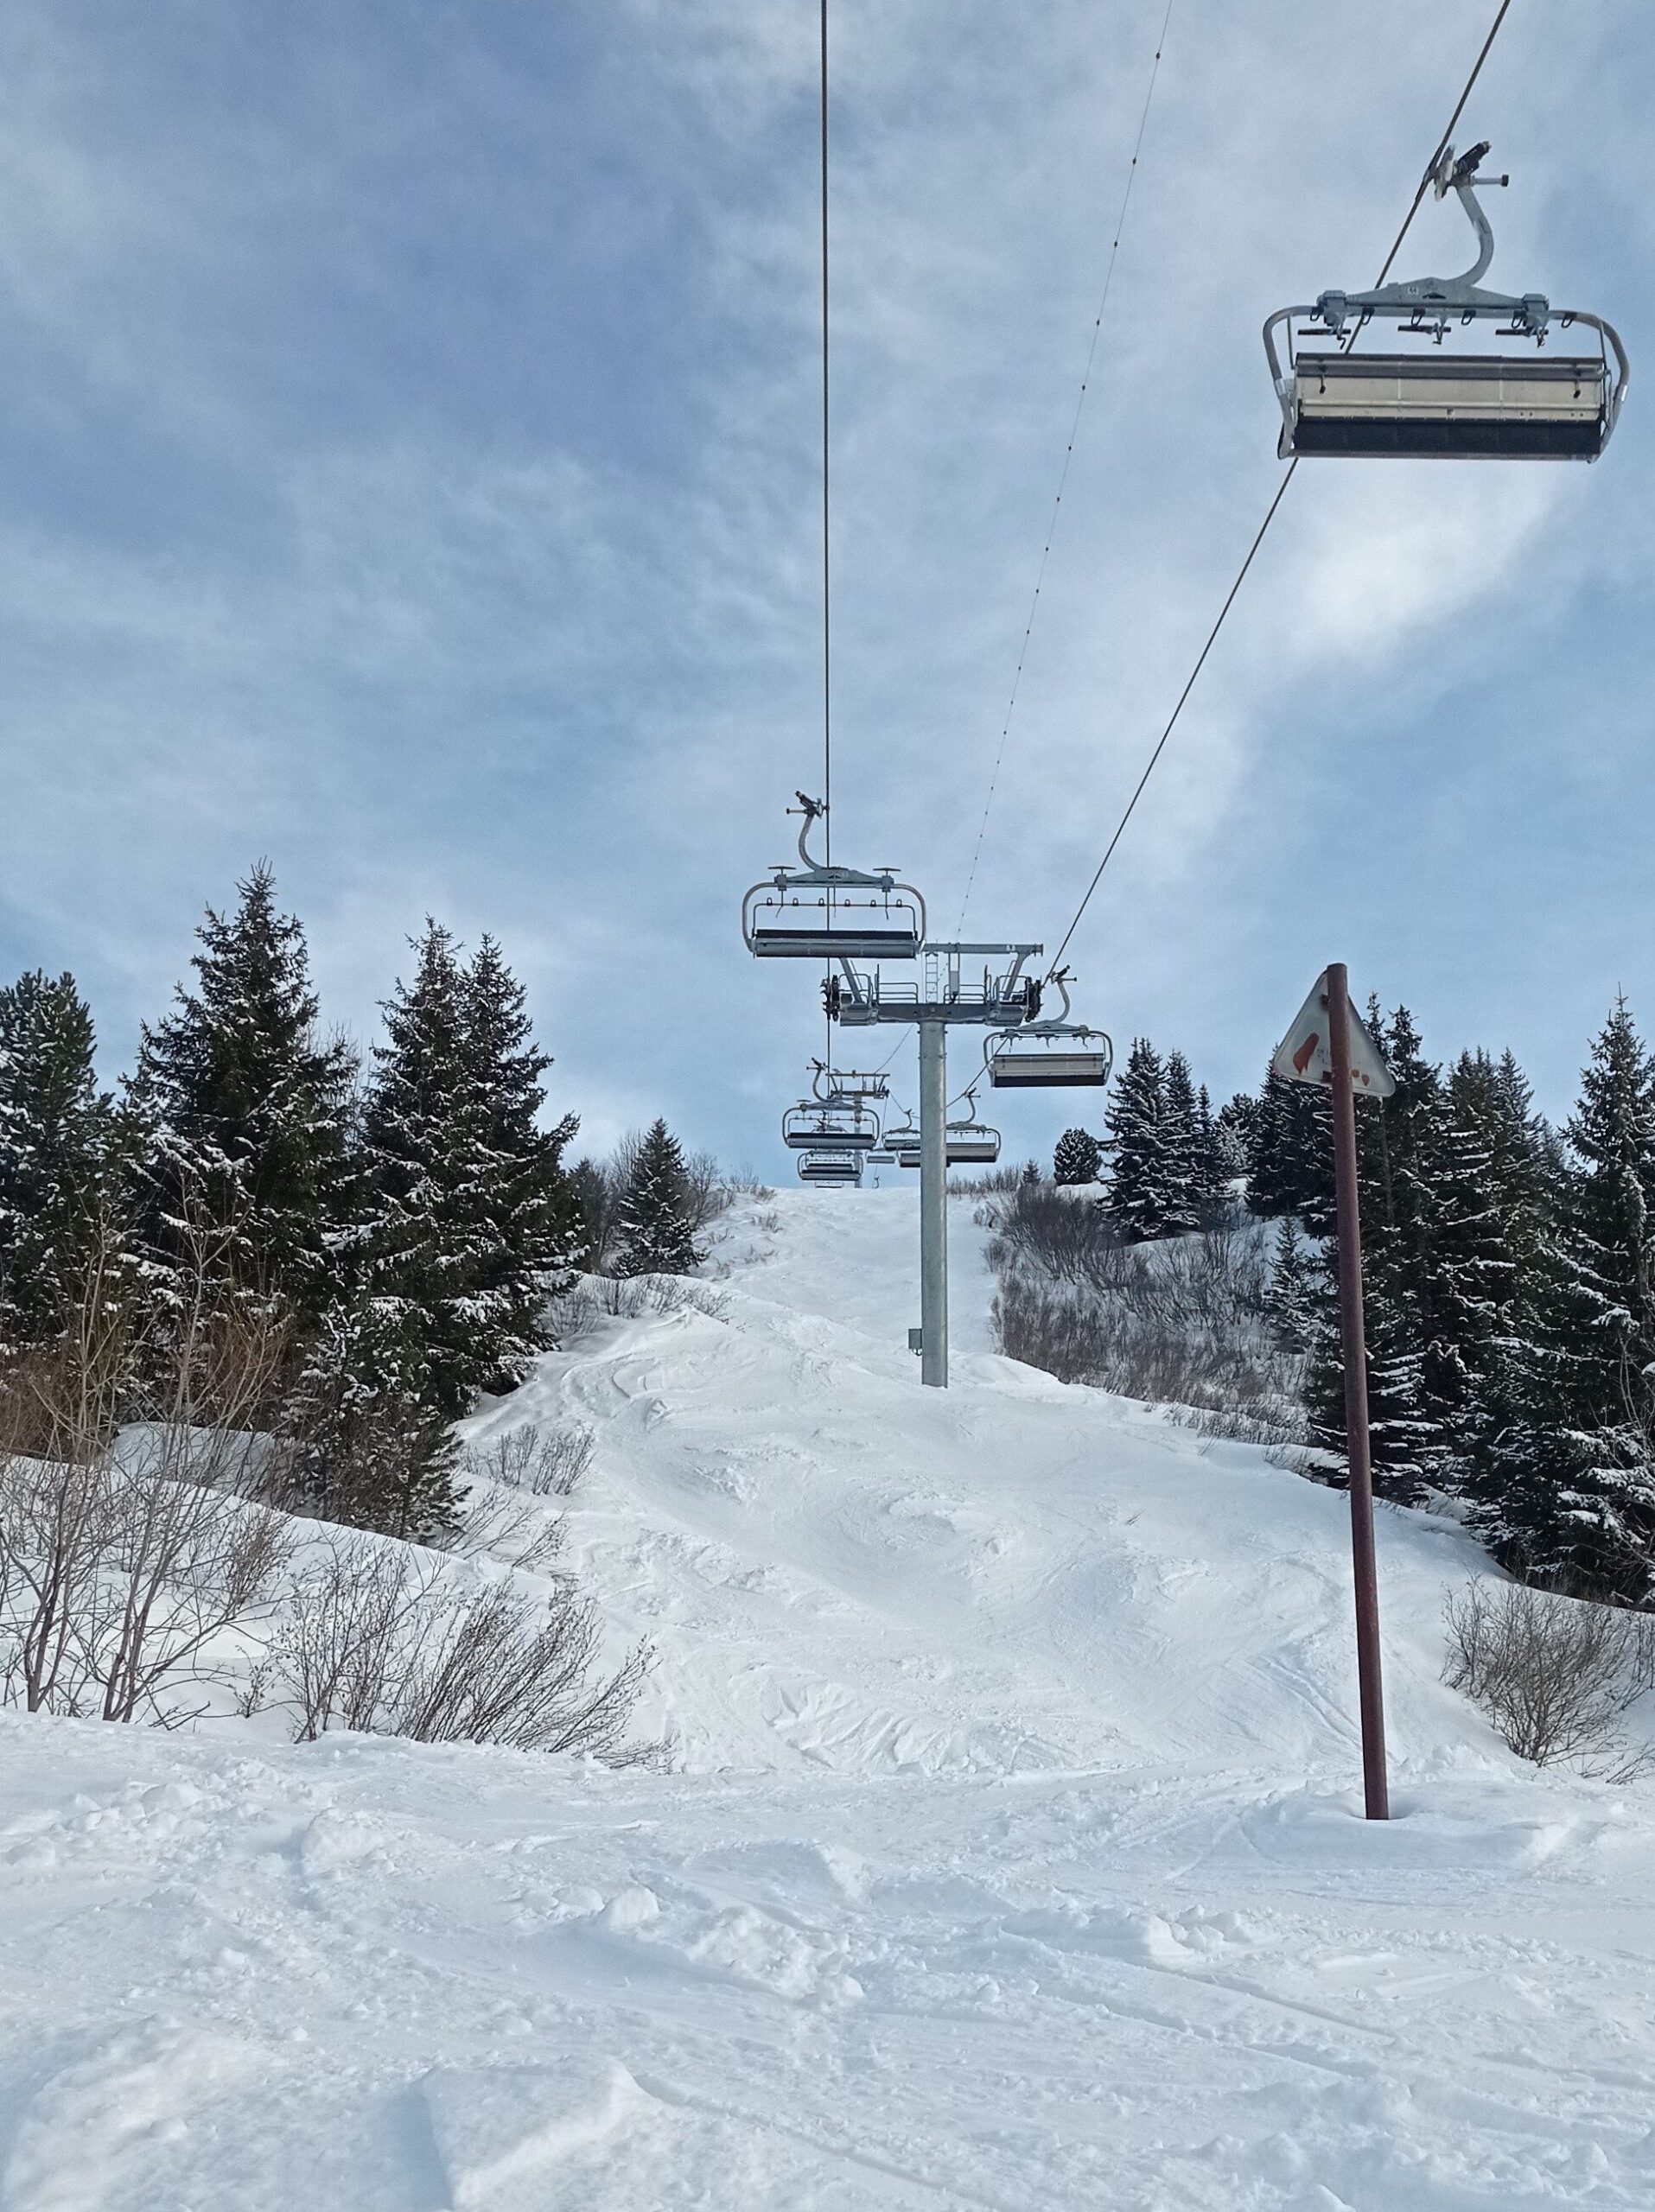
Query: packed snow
(1008,1855)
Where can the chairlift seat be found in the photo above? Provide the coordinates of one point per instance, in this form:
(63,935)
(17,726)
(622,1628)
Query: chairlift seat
(1526,407)
(962,1151)
(973,1152)
(854,941)
(1010,1069)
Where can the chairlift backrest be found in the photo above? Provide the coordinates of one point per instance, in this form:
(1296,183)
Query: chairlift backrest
(1336,399)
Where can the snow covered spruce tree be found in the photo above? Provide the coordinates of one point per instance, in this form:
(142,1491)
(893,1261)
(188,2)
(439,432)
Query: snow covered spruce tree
(56,1156)
(1234,1135)
(1566,1486)
(1397,1166)
(1139,1195)
(1296,1294)
(656,1238)
(539,1237)
(1216,1165)
(1488,1196)
(1078,1158)
(1290,1163)
(364,1442)
(472,1224)
(241,1111)
(1185,1150)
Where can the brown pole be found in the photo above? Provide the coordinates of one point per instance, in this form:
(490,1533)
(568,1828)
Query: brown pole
(1354,1340)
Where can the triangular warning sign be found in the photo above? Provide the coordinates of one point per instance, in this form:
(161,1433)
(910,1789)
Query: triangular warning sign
(1303,1055)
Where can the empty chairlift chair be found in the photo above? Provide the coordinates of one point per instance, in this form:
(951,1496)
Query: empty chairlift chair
(1340,399)
(1054,1055)
(838,1126)
(817,912)
(831,1167)
(903,1143)
(969,1144)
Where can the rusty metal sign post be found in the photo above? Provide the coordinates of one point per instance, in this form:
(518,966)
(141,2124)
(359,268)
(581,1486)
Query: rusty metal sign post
(1329,1046)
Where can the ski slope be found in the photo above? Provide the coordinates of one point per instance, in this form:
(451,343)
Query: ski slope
(1008,1857)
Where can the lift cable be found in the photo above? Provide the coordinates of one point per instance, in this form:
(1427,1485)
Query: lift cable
(1270,511)
(1068,457)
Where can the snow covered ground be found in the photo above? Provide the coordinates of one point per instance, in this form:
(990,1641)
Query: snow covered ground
(1010,1856)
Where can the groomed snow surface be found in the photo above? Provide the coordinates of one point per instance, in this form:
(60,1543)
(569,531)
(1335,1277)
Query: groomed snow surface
(1010,1856)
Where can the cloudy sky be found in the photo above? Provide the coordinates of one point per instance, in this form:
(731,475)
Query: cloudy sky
(410,460)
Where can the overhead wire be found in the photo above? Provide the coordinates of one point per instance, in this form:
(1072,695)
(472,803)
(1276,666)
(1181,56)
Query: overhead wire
(1068,458)
(1274,505)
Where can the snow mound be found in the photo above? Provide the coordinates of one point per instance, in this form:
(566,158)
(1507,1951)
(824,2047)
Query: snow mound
(839,1569)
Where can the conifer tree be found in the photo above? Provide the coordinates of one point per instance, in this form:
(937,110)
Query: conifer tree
(1290,1168)
(1078,1158)
(1567,1489)
(243,1109)
(655,1234)
(1215,1174)
(1235,1136)
(535,1237)
(1397,1140)
(56,1155)
(474,1226)
(1293,1299)
(1137,1199)
(1184,1148)
(1487,1225)
(366,1443)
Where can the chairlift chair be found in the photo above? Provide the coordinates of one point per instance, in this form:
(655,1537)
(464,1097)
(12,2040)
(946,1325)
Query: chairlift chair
(969,1144)
(843,1126)
(1055,1055)
(817,912)
(1336,400)
(830,1167)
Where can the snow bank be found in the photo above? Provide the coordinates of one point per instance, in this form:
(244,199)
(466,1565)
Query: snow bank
(1012,1857)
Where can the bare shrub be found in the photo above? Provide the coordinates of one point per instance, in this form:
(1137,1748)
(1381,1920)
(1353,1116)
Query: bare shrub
(993,1181)
(494,1667)
(629,1298)
(131,1548)
(1182,1323)
(551,1462)
(1041,1227)
(1555,1675)
(336,1648)
(379,1640)
(706,1192)
(1043,1329)
(514,1530)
